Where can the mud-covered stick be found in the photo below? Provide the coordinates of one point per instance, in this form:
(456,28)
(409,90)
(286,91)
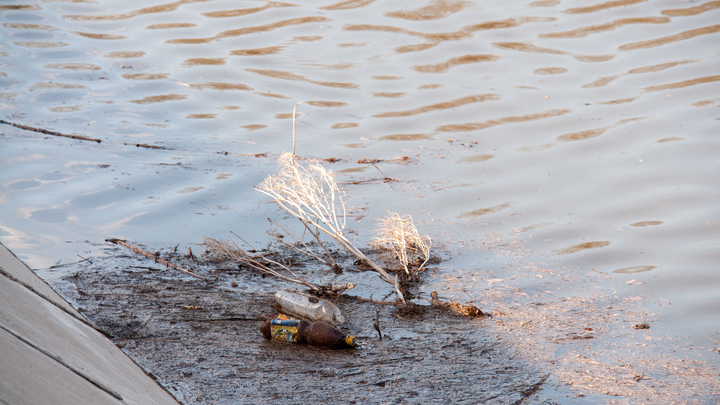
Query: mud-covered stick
(45,131)
(152,256)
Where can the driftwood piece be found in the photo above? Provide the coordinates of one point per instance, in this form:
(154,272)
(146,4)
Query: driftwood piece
(45,131)
(152,256)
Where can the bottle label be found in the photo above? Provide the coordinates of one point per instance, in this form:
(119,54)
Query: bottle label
(284,330)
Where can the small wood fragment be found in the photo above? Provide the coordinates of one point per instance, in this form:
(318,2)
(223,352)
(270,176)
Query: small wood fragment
(465,310)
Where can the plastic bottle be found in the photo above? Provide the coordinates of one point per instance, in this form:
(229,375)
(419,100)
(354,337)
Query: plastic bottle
(306,306)
(301,331)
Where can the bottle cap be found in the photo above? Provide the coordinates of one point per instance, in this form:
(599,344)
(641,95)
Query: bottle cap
(350,341)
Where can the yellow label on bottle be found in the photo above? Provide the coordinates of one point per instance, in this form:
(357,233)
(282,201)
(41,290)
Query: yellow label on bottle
(284,330)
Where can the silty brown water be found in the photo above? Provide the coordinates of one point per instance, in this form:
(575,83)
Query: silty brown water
(572,140)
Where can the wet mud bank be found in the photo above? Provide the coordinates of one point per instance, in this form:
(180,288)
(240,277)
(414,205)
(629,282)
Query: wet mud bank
(200,340)
(199,336)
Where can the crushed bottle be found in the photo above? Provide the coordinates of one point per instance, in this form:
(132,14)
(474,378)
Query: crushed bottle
(295,303)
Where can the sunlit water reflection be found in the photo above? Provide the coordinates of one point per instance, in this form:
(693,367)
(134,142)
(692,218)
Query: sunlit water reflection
(584,133)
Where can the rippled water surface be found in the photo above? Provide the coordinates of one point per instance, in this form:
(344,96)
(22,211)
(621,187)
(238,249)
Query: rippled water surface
(577,137)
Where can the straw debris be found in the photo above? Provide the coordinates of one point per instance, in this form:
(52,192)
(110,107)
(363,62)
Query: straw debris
(398,234)
(225,249)
(310,193)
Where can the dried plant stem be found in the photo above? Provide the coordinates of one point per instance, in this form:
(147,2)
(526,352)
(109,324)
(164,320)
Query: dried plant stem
(151,256)
(294,110)
(312,195)
(342,240)
(229,249)
(330,262)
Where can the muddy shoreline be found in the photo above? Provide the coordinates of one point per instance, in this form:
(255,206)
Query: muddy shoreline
(201,341)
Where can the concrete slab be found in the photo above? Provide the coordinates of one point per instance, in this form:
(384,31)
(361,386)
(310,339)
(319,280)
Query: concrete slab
(16,269)
(59,355)
(27,377)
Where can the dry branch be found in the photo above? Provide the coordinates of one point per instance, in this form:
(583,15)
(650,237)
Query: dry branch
(45,131)
(330,262)
(152,256)
(228,249)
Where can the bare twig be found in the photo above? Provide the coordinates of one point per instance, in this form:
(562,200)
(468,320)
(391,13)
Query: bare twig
(316,234)
(330,262)
(152,256)
(376,324)
(45,131)
(397,289)
(294,110)
(230,250)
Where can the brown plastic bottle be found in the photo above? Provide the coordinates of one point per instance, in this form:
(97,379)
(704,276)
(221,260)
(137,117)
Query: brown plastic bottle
(315,333)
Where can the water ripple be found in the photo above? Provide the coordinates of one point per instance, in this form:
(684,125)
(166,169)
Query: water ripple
(25,26)
(326,103)
(249,30)
(441,106)
(124,54)
(581,247)
(593,29)
(406,137)
(160,8)
(390,95)
(220,86)
(436,10)
(476,126)
(170,26)
(73,66)
(100,36)
(203,62)
(484,211)
(583,135)
(550,71)
(464,32)
(602,6)
(278,74)
(684,83)
(344,125)
(683,12)
(245,11)
(145,76)
(270,50)
(31,44)
(347,5)
(452,62)
(159,99)
(53,85)
(530,48)
(604,81)
(672,38)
